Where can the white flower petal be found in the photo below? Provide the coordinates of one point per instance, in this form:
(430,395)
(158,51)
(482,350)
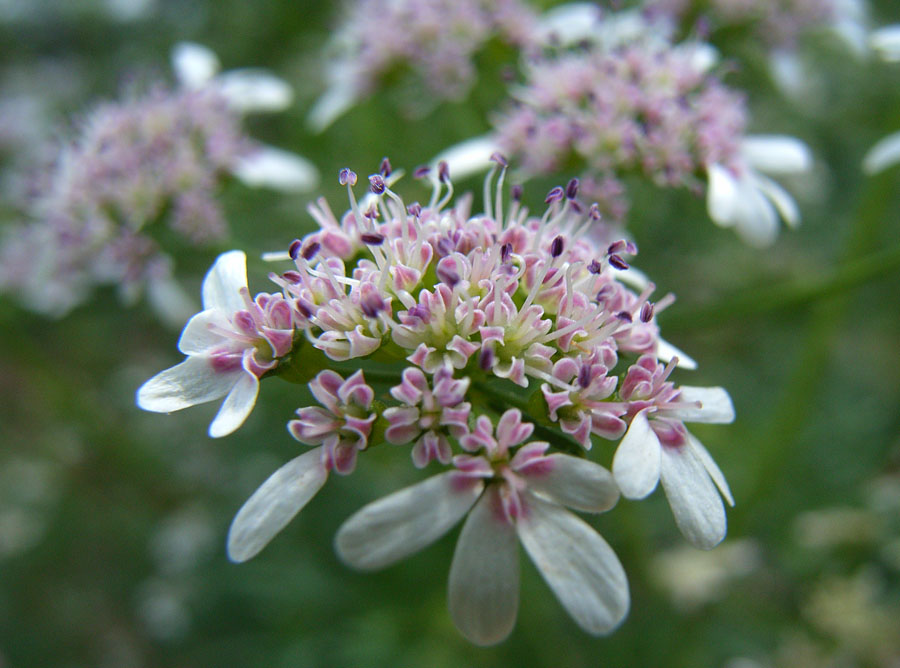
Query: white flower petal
(633,278)
(222,285)
(577,564)
(194,64)
(756,220)
(776,154)
(249,90)
(665,351)
(695,502)
(569,23)
(703,56)
(712,468)
(341,95)
(781,198)
(274,504)
(192,382)
(483,590)
(270,167)
(885,153)
(636,463)
(886,42)
(721,195)
(237,406)
(715,405)
(576,483)
(404,522)
(469,157)
(199,334)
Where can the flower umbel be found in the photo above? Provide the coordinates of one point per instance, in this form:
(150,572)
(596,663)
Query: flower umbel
(461,336)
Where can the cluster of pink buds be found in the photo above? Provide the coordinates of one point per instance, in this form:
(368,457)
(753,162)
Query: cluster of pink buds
(457,337)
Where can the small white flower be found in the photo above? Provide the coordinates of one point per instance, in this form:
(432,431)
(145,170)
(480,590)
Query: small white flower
(751,202)
(687,471)
(222,343)
(248,90)
(504,498)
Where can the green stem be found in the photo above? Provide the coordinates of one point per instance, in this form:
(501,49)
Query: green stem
(790,294)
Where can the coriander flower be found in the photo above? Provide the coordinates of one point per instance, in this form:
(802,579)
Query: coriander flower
(630,103)
(657,447)
(505,496)
(436,40)
(230,345)
(464,323)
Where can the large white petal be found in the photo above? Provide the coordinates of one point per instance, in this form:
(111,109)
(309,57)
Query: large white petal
(715,405)
(781,198)
(886,42)
(269,167)
(404,522)
(221,287)
(665,351)
(249,90)
(696,504)
(483,591)
(776,154)
(712,468)
(884,154)
(721,195)
(237,406)
(192,382)
(575,482)
(577,564)
(468,157)
(636,463)
(274,504)
(194,64)
(200,333)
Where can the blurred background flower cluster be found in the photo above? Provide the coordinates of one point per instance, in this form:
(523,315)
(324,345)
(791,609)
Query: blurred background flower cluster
(113,521)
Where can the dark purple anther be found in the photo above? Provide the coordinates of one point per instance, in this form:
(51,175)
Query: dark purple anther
(372,238)
(555,195)
(292,276)
(414,209)
(499,158)
(505,252)
(385,168)
(594,213)
(584,376)
(625,316)
(447,276)
(376,184)
(347,177)
(575,206)
(421,172)
(617,262)
(486,359)
(443,171)
(304,310)
(646,312)
(516,193)
(371,304)
(595,267)
(310,251)
(616,247)
(556,247)
(294,248)
(572,189)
